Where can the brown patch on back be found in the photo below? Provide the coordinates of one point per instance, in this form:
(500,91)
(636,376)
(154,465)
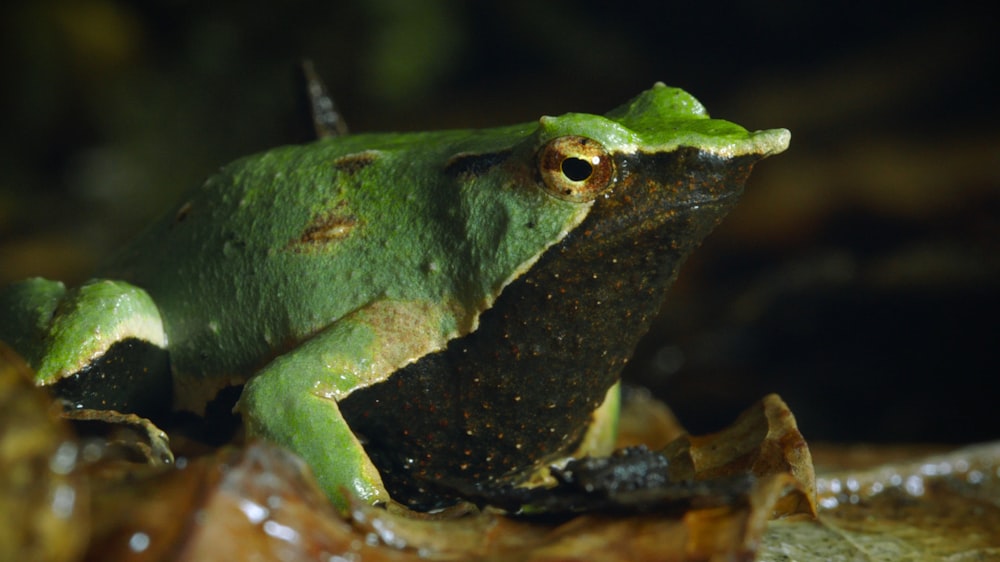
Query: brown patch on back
(325,228)
(354,163)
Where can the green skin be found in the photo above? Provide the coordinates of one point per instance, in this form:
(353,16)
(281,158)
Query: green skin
(311,273)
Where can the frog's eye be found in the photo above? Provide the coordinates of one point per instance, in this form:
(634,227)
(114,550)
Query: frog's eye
(575,168)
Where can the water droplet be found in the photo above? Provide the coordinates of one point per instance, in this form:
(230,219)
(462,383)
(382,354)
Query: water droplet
(63,501)
(255,512)
(975,477)
(64,459)
(138,542)
(279,531)
(914,485)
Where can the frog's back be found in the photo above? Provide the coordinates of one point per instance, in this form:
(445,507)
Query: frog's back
(223,265)
(278,245)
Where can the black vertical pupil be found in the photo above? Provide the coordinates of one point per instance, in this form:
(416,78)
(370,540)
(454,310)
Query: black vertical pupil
(576,169)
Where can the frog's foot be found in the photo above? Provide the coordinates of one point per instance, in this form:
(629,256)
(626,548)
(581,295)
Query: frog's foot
(129,432)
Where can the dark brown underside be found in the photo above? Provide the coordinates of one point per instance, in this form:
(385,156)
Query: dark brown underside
(521,388)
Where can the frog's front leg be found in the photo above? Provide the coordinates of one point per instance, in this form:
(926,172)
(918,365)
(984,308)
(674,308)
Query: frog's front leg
(293,400)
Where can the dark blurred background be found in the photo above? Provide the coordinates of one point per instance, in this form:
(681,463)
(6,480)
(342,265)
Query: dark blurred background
(859,278)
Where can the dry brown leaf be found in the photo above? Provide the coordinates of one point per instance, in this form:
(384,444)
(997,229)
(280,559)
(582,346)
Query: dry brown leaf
(42,502)
(260,501)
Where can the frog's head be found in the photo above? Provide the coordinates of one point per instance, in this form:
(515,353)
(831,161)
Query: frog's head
(651,164)
(624,198)
(661,175)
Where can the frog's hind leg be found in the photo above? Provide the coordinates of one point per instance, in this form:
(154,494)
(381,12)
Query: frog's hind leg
(100,346)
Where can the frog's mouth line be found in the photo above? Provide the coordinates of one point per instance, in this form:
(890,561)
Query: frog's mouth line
(655,191)
(687,176)
(725,201)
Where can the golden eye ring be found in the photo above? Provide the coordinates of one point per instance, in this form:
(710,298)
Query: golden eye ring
(575,168)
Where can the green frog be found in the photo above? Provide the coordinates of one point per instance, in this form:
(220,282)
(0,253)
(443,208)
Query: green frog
(411,313)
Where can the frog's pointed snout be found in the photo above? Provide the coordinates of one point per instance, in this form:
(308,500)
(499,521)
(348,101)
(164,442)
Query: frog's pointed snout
(770,142)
